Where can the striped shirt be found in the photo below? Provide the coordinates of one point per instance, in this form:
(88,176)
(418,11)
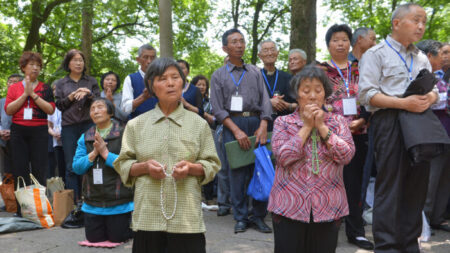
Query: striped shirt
(183,135)
(296,191)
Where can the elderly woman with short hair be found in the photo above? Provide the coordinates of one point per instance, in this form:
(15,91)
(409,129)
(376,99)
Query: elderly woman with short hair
(311,147)
(167,154)
(107,203)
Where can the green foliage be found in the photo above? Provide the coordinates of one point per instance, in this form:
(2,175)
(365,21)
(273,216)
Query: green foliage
(377,15)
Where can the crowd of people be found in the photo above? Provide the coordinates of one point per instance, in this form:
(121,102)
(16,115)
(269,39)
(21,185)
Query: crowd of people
(143,157)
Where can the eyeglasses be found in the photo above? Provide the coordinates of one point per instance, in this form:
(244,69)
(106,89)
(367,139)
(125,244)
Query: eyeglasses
(77,60)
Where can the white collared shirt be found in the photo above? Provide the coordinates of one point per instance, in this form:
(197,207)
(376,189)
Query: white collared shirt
(127,94)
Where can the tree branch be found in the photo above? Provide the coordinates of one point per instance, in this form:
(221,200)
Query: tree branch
(110,32)
(272,21)
(48,9)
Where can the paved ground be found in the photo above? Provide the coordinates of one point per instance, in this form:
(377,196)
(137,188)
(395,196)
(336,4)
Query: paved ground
(219,238)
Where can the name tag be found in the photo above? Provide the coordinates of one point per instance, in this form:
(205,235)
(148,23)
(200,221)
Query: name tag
(98,176)
(237,103)
(28,114)
(349,105)
(443,96)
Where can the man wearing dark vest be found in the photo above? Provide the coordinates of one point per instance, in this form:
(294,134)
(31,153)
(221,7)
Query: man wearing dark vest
(135,97)
(276,82)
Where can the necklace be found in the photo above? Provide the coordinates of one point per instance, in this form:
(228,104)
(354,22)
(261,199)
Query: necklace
(315,156)
(161,194)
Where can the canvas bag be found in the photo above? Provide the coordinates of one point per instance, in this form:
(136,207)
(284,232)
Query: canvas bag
(54,184)
(263,175)
(34,203)
(7,192)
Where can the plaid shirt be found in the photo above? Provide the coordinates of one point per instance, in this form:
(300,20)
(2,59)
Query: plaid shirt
(296,191)
(182,135)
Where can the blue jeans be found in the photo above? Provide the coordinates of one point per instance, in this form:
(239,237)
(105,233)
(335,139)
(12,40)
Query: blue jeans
(240,177)
(69,136)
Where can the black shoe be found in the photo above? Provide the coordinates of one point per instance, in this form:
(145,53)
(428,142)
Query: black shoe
(240,227)
(363,244)
(223,210)
(17,215)
(259,225)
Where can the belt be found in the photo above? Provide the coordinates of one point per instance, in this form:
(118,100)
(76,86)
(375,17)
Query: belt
(244,114)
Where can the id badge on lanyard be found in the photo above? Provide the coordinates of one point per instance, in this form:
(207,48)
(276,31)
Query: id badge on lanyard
(98,175)
(348,103)
(27,112)
(237,101)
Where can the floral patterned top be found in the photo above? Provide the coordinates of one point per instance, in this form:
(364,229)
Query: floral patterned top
(333,103)
(297,191)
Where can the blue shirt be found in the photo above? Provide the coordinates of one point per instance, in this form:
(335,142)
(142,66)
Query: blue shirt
(81,165)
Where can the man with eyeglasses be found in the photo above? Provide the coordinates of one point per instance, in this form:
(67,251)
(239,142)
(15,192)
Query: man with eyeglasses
(276,81)
(135,97)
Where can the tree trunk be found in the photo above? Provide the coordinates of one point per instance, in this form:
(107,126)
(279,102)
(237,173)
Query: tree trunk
(86,32)
(165,28)
(256,39)
(303,27)
(37,19)
(235,12)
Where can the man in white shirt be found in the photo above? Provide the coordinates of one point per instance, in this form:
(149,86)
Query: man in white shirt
(135,97)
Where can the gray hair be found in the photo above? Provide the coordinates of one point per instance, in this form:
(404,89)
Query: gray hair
(430,46)
(157,68)
(145,47)
(402,10)
(311,71)
(359,32)
(298,50)
(266,41)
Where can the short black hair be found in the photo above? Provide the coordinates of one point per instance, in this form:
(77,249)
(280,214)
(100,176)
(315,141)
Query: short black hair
(110,109)
(185,63)
(228,33)
(157,68)
(198,78)
(107,74)
(430,46)
(338,28)
(16,75)
(311,71)
(68,58)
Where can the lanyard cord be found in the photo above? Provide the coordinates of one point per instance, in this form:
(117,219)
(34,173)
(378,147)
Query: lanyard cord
(267,82)
(346,82)
(403,60)
(234,81)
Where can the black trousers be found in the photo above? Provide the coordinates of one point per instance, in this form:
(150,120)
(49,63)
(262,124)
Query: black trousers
(293,236)
(113,228)
(353,176)
(400,188)
(29,145)
(163,242)
(438,189)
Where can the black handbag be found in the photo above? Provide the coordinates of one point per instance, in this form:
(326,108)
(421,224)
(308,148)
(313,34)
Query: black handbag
(75,219)
(423,134)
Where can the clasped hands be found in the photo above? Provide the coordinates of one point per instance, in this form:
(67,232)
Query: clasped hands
(157,170)
(79,94)
(313,116)
(99,148)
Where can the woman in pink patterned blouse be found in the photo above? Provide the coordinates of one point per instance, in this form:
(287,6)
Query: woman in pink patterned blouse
(311,147)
